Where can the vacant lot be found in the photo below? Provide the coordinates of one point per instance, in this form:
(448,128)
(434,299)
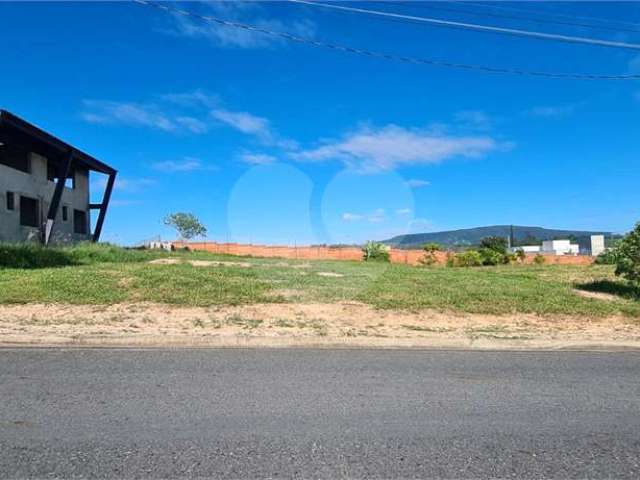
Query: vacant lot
(104,291)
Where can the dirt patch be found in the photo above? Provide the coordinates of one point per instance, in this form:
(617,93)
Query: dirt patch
(330,274)
(597,295)
(288,293)
(215,263)
(199,263)
(165,261)
(294,324)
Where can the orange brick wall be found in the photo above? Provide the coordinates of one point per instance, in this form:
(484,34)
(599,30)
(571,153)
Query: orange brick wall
(411,257)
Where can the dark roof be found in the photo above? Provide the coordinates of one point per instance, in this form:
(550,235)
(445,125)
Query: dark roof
(42,142)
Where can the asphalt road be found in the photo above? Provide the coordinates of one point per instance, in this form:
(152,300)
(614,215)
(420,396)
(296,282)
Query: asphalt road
(318,413)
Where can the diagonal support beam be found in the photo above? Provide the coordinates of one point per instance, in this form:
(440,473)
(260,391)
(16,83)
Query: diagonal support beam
(104,206)
(63,173)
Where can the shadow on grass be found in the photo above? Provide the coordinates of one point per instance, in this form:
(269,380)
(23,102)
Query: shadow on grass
(28,257)
(610,287)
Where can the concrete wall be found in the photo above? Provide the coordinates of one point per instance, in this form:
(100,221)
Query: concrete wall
(410,257)
(36,185)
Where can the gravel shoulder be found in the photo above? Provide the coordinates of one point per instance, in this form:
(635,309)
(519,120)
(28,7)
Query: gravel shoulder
(346,324)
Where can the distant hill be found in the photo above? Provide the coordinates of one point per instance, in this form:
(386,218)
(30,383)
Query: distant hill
(472,236)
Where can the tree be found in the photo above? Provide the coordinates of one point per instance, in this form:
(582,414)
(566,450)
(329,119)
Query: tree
(628,256)
(497,244)
(186,224)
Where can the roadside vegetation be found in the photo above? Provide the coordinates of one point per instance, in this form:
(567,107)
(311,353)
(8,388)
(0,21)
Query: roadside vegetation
(105,274)
(375,252)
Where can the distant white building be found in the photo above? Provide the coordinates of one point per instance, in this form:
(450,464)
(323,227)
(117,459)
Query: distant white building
(597,245)
(560,247)
(527,249)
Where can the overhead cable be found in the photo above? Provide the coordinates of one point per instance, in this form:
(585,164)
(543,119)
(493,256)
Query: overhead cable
(386,56)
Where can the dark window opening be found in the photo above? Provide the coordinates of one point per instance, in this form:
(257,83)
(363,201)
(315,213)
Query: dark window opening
(11,201)
(29,212)
(80,222)
(15,157)
(65,214)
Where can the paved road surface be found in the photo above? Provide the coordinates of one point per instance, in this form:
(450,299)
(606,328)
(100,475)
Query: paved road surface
(318,413)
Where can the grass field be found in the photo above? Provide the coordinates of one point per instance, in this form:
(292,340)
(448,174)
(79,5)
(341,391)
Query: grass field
(106,275)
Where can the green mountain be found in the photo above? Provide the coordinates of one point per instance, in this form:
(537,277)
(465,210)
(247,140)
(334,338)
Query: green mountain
(472,236)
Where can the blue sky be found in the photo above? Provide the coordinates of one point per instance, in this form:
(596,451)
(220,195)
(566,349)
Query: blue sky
(272,142)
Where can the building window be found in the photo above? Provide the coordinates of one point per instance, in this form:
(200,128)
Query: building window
(80,222)
(15,157)
(65,213)
(11,201)
(53,174)
(29,212)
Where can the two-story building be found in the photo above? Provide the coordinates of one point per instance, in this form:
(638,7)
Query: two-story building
(44,186)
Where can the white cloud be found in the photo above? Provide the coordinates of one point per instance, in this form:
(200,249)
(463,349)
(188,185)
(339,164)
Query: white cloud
(192,124)
(123,184)
(123,203)
(234,37)
(474,118)
(403,212)
(108,112)
(250,124)
(244,122)
(420,225)
(131,114)
(196,98)
(417,183)
(257,158)
(376,216)
(187,164)
(552,111)
(351,217)
(389,147)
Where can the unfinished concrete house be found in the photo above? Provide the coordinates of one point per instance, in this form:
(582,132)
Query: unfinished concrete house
(44,186)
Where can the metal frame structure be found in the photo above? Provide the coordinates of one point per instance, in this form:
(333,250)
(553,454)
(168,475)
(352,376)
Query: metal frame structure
(64,157)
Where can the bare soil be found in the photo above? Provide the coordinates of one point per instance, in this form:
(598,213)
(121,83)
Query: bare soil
(291,324)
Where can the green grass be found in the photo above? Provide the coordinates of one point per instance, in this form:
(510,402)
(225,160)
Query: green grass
(33,255)
(99,274)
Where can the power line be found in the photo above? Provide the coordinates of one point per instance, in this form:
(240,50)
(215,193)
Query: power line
(474,26)
(517,17)
(558,15)
(386,56)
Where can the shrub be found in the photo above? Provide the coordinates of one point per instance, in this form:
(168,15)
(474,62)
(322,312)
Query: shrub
(520,256)
(493,257)
(470,258)
(430,250)
(375,251)
(451,259)
(609,256)
(493,251)
(628,257)
(539,259)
